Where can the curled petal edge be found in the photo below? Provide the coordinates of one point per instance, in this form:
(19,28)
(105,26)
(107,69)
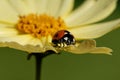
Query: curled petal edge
(88,46)
(28,48)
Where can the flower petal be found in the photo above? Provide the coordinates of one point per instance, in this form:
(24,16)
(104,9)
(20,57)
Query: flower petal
(41,6)
(31,4)
(94,30)
(7,13)
(7,32)
(26,39)
(83,47)
(100,50)
(6,25)
(88,46)
(91,11)
(27,48)
(27,43)
(20,6)
(55,7)
(48,7)
(103,14)
(20,39)
(65,8)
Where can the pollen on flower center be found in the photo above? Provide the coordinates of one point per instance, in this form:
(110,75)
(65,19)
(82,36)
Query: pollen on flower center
(39,25)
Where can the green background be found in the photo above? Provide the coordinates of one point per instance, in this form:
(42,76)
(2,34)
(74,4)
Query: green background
(15,66)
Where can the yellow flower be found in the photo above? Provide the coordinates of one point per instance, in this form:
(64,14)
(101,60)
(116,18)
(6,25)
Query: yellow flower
(30,25)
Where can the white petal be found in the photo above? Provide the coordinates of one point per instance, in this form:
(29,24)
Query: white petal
(42,42)
(35,42)
(91,11)
(7,32)
(102,50)
(2,26)
(41,6)
(95,30)
(6,25)
(88,46)
(7,13)
(20,6)
(31,4)
(83,47)
(27,48)
(26,43)
(65,8)
(27,39)
(103,14)
(20,39)
(54,7)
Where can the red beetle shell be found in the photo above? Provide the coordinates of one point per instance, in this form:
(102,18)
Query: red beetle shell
(63,38)
(59,35)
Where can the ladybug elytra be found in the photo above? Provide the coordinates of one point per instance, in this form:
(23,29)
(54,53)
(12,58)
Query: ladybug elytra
(63,38)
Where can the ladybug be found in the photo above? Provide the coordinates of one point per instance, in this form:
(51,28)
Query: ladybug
(63,38)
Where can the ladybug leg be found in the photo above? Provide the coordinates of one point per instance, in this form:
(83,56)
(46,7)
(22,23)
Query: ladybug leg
(58,45)
(63,44)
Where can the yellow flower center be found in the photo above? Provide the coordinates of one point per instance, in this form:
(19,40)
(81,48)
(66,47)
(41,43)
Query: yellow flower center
(40,25)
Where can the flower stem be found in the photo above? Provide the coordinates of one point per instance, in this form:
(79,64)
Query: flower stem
(38,66)
(38,58)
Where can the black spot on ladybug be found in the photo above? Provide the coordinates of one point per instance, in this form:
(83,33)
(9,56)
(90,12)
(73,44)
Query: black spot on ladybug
(63,38)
